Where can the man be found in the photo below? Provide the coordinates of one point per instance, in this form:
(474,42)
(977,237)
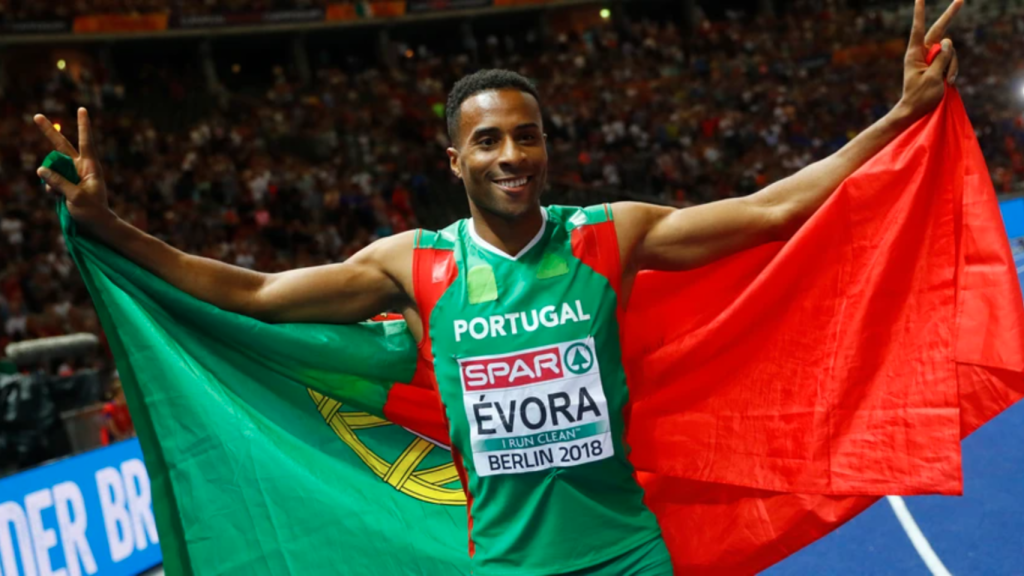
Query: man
(516,311)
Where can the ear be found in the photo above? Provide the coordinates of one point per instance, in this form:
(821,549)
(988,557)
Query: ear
(453,160)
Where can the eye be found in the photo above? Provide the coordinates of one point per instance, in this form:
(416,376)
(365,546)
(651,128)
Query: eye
(528,138)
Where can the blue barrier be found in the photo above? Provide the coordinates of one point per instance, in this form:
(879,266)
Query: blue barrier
(90,514)
(1013,216)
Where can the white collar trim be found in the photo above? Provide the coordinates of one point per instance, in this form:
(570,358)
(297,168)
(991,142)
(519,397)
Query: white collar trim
(491,248)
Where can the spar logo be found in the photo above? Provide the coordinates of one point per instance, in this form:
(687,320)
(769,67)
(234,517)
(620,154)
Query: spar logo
(528,367)
(579,358)
(520,369)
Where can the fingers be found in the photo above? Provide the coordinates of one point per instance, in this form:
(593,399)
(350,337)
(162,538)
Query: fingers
(954,69)
(84,133)
(938,30)
(917,30)
(57,182)
(60,143)
(940,67)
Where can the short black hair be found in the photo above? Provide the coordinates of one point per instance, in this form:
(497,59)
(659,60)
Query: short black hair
(482,81)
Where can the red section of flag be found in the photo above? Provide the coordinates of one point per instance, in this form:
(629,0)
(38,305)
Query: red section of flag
(850,360)
(415,408)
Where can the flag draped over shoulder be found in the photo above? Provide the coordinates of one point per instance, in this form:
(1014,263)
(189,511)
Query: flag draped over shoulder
(774,394)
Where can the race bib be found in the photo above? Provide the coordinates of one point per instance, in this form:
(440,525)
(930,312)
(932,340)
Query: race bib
(536,409)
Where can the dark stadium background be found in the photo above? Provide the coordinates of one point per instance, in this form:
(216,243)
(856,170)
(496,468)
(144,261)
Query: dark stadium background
(275,134)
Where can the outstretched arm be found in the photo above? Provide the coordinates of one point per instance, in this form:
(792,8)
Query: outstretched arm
(376,279)
(662,238)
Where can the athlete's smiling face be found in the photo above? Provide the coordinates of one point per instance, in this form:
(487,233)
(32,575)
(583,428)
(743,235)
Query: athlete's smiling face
(500,153)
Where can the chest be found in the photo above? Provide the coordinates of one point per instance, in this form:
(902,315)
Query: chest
(497,307)
(523,362)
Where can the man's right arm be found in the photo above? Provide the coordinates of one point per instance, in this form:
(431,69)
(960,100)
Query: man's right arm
(367,284)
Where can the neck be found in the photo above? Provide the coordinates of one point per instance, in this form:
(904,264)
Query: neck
(508,235)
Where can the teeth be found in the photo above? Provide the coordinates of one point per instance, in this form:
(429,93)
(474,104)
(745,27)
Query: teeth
(512,183)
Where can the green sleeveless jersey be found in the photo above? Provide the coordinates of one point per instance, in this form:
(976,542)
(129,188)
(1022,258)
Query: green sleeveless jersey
(525,352)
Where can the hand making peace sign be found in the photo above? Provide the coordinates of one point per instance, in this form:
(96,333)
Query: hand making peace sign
(86,201)
(924,84)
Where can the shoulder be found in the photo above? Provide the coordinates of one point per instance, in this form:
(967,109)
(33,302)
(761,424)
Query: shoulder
(634,219)
(628,214)
(387,248)
(390,255)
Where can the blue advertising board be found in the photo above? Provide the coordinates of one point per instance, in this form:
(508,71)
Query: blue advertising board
(1013,216)
(90,514)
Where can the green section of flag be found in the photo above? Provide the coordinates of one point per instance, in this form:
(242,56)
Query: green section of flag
(62,164)
(541,438)
(244,426)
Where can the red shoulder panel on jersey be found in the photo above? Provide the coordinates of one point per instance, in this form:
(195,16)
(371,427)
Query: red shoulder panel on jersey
(597,246)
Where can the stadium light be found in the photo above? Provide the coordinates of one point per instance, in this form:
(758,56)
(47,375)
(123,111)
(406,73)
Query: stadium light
(606,13)
(61,64)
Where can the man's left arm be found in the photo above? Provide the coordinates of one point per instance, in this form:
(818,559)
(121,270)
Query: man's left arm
(663,238)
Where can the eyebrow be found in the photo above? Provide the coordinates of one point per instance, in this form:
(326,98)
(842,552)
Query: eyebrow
(487,130)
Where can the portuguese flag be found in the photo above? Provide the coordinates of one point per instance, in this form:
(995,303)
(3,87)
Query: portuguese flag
(775,394)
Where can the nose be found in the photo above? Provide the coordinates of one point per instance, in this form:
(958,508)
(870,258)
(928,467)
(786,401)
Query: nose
(511,153)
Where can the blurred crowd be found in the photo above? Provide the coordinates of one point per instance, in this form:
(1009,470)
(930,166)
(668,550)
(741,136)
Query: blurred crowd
(301,174)
(756,102)
(35,10)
